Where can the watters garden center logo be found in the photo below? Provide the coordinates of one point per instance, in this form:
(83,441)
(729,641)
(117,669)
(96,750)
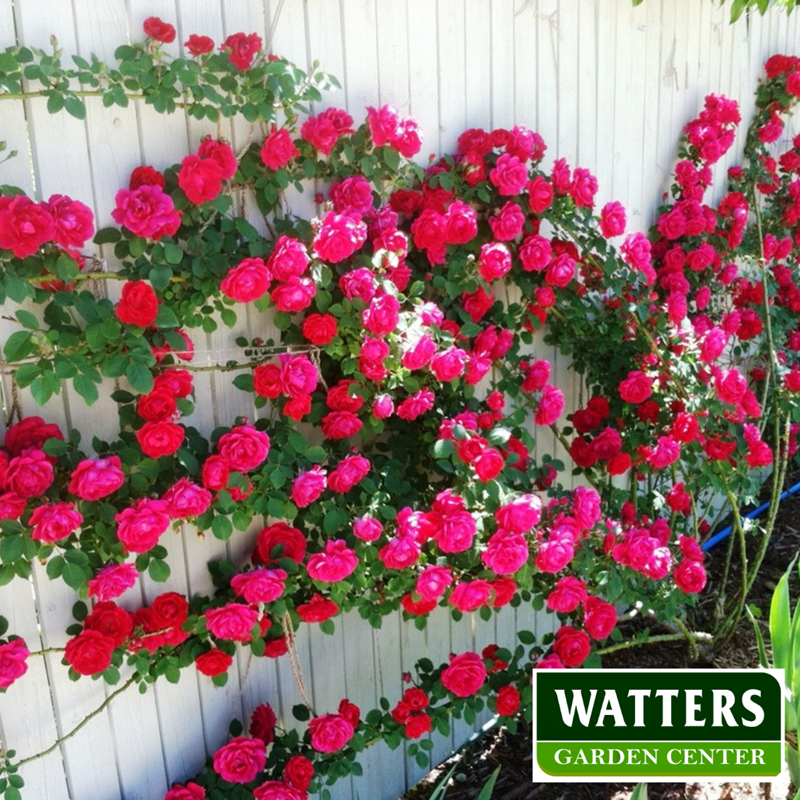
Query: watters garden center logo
(672,725)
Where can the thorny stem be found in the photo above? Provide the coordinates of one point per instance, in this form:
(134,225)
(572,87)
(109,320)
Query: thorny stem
(81,724)
(692,636)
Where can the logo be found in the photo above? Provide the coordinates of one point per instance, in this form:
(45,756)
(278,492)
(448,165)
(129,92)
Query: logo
(662,725)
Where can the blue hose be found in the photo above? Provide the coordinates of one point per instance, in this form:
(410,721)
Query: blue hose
(725,532)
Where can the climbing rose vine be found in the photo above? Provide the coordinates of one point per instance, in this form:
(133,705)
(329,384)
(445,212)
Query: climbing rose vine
(396,454)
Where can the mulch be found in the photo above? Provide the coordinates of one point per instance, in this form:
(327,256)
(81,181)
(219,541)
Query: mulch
(513,752)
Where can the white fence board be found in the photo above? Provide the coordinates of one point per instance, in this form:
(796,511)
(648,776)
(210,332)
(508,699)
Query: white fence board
(608,86)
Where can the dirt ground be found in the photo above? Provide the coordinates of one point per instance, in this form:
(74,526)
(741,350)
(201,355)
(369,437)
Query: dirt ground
(513,753)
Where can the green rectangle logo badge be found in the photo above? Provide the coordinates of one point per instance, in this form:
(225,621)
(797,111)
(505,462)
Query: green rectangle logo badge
(658,725)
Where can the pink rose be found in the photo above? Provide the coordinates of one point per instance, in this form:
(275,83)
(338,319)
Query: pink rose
(488,464)
(298,375)
(572,647)
(140,526)
(186,499)
(278,790)
(612,220)
(51,523)
(690,576)
(191,791)
(636,388)
(294,295)
(521,514)
(583,188)
(24,225)
(221,153)
(232,621)
(330,733)
(244,447)
(260,585)
(358,283)
(420,354)
(505,553)
(551,405)
(338,237)
(371,358)
(73,221)
(382,315)
(335,564)
(569,593)
(352,196)
(382,407)
(323,131)
(433,582)
(240,760)
(560,271)
(350,471)
(508,223)
(555,553)
(465,675)
(317,609)
(112,581)
(455,532)
(470,595)
(400,552)
(368,529)
(495,261)
(415,406)
(448,364)
(586,507)
(30,474)
(509,175)
(147,211)
(13,662)
(308,486)
(461,223)
(340,425)
(540,194)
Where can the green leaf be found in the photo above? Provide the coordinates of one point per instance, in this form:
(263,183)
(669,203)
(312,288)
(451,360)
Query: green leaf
(74,576)
(139,377)
(11,548)
(738,8)
(18,346)
(166,318)
(780,626)
(55,102)
(74,106)
(316,454)
(222,528)
(86,388)
(762,651)
(158,570)
(173,254)
(639,792)
(107,236)
(27,319)
(301,713)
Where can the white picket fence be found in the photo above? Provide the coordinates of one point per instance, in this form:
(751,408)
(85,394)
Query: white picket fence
(607,85)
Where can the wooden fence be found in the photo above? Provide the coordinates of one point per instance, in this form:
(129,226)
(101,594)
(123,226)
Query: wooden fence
(607,85)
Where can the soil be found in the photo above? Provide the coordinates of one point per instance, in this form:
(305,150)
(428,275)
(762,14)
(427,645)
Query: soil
(513,752)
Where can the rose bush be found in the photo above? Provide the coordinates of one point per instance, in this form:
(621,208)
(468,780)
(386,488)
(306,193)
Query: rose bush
(400,346)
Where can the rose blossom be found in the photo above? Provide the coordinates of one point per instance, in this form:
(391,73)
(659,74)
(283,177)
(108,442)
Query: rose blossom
(186,499)
(465,675)
(433,582)
(158,439)
(73,221)
(138,304)
(51,523)
(350,471)
(191,791)
(308,486)
(320,329)
(232,621)
(278,790)
(29,474)
(470,595)
(260,586)
(572,647)
(338,237)
(636,388)
(340,425)
(294,295)
(213,662)
(507,702)
(248,281)
(200,179)
(146,211)
(112,581)
(336,563)
(509,175)
(89,652)
(568,594)
(317,609)
(330,733)
(244,447)
(13,664)
(290,540)
(240,760)
(242,49)
(140,526)
(690,576)
(612,220)
(278,149)
(505,552)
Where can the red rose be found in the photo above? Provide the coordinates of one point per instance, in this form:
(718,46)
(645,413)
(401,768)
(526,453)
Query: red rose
(278,149)
(569,593)
(317,609)
(24,225)
(199,45)
(290,540)
(278,790)
(159,439)
(146,176)
(111,620)
(157,406)
(94,479)
(213,663)
(299,771)
(89,652)
(30,432)
(160,31)
(177,381)
(509,175)
(242,49)
(262,723)
(220,152)
(465,675)
(636,388)
(186,499)
(330,733)
(571,646)
(417,725)
(340,425)
(320,329)
(599,617)
(690,576)
(138,304)
(29,474)
(508,701)
(240,760)
(200,178)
